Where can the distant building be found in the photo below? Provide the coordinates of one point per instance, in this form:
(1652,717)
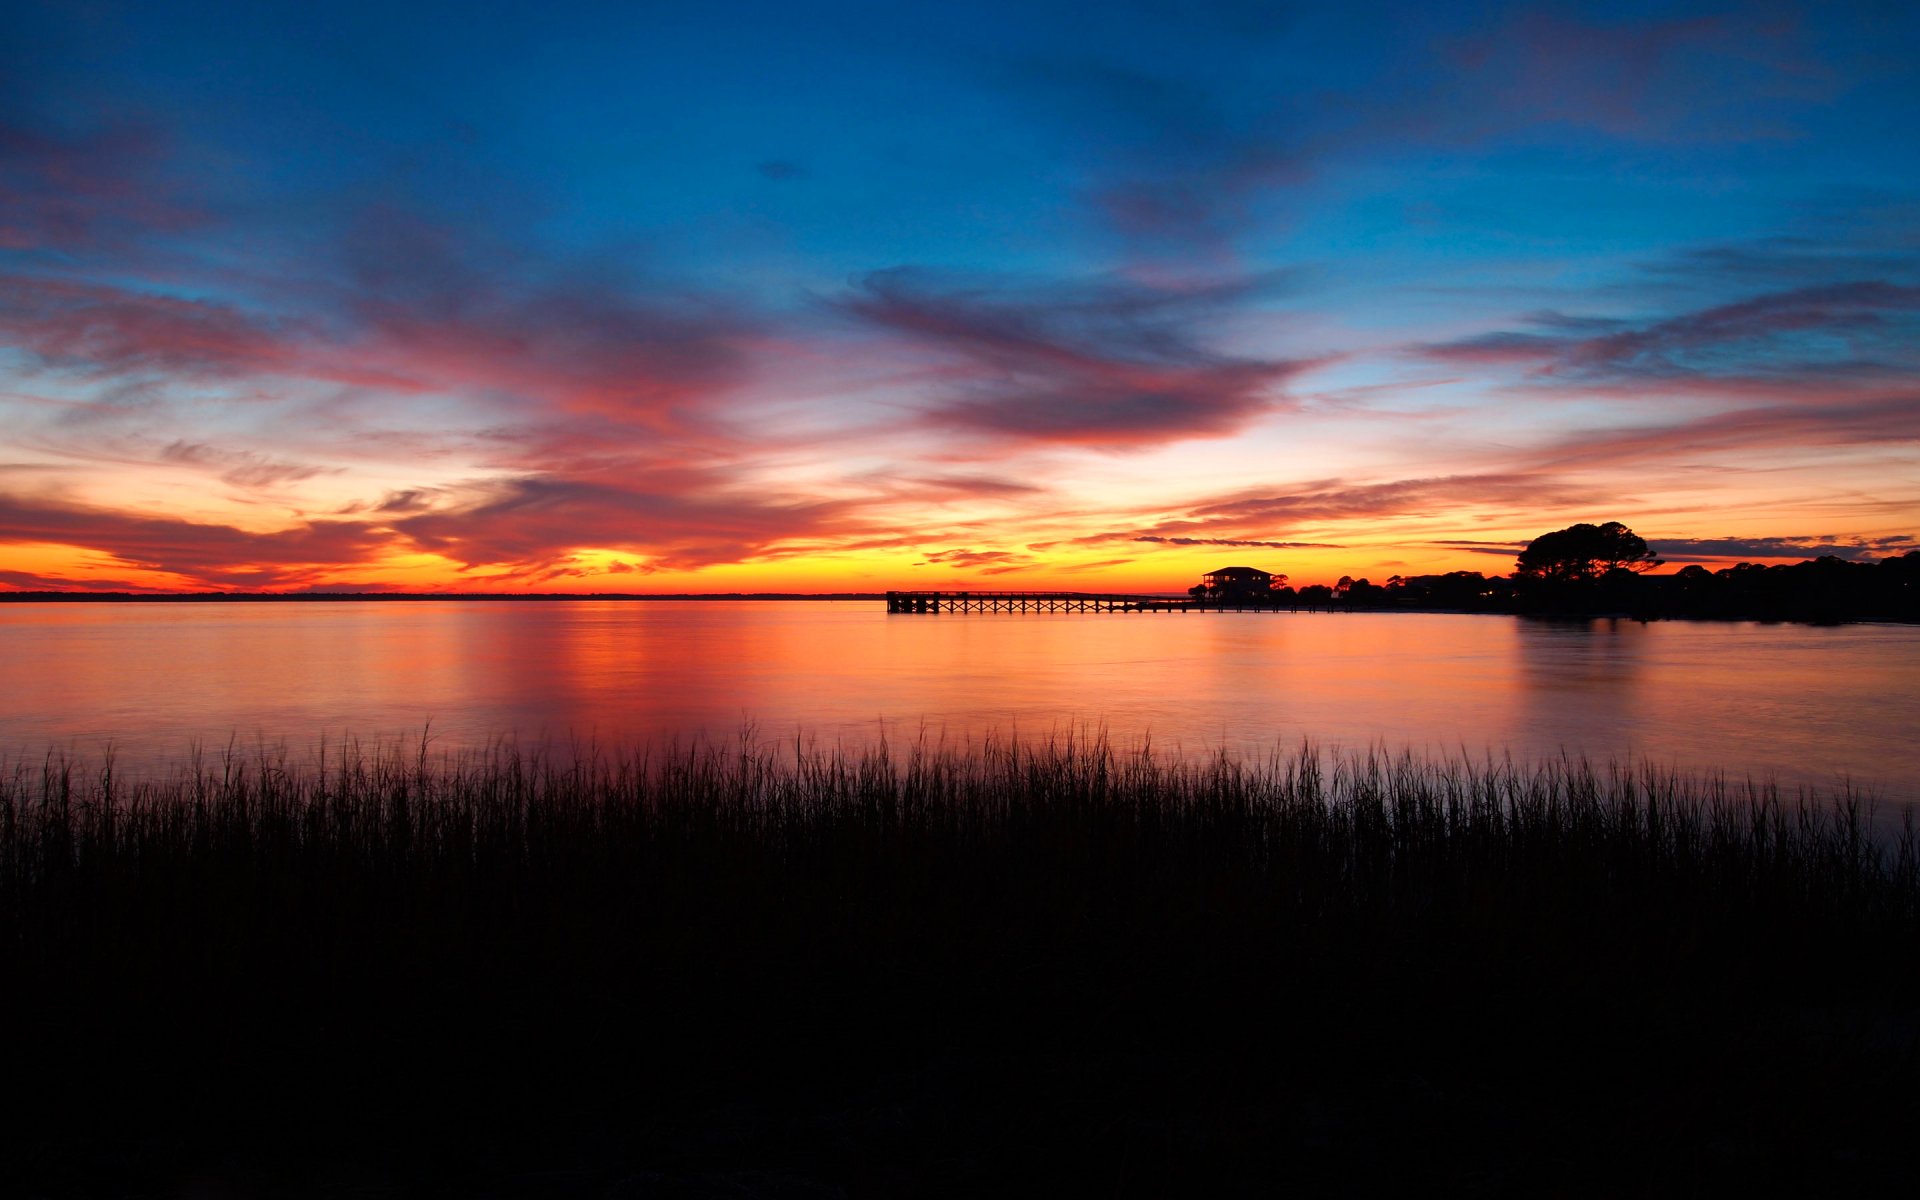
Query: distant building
(1239,583)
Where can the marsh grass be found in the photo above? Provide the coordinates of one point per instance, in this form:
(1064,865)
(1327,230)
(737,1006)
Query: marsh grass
(951,965)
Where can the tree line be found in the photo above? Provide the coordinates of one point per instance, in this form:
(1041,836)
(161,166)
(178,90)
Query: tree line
(1588,569)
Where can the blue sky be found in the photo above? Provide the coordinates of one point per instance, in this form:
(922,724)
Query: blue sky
(720,295)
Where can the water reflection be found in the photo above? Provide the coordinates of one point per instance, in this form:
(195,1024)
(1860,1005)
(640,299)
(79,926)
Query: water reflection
(1785,702)
(1580,682)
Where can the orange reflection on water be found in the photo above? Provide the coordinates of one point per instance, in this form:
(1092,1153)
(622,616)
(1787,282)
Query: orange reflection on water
(1797,703)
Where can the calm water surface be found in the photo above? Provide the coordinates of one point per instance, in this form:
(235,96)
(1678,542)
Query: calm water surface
(1797,704)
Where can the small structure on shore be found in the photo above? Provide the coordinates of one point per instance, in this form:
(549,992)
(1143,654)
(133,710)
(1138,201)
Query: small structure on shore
(1238,584)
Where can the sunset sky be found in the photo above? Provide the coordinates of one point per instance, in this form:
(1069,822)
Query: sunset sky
(723,296)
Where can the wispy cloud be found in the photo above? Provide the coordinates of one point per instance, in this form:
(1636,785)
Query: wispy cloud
(82,191)
(241,468)
(1336,500)
(464,312)
(203,553)
(1862,328)
(678,518)
(1876,421)
(1717,76)
(1705,550)
(984,562)
(1108,363)
(1242,542)
(1173,168)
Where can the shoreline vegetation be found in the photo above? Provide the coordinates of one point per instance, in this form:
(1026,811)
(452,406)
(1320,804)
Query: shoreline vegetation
(45,597)
(1821,591)
(776,970)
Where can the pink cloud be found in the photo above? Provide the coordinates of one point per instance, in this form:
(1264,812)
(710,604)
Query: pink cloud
(1109,363)
(77,192)
(211,555)
(683,519)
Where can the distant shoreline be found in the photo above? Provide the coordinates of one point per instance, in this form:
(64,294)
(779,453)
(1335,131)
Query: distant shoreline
(875,597)
(246,597)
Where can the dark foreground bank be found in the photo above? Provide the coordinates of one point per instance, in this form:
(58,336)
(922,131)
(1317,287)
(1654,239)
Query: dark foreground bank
(757,973)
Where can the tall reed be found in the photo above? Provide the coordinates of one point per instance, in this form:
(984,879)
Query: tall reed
(265,942)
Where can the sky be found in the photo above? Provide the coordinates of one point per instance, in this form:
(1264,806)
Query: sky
(665,297)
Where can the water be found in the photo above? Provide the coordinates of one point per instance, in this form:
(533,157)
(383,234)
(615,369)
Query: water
(1800,705)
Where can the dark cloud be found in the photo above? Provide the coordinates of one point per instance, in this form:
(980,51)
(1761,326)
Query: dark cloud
(78,191)
(212,555)
(1188,162)
(1102,564)
(1496,549)
(407,500)
(679,518)
(1338,501)
(1172,166)
(1192,541)
(464,310)
(101,330)
(1250,519)
(241,468)
(419,311)
(28,581)
(1109,362)
(526,529)
(940,486)
(991,562)
(1735,75)
(1826,332)
(1793,261)
(1883,420)
(1686,550)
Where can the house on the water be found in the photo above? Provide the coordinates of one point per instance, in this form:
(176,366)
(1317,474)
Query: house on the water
(1238,583)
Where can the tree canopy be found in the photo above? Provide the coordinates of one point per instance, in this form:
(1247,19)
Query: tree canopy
(1585,551)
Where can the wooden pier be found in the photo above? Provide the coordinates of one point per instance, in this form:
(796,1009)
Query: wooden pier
(1073,602)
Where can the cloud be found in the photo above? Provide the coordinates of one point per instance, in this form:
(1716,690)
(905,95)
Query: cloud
(1251,519)
(1827,332)
(1854,240)
(994,562)
(1686,550)
(241,468)
(1880,420)
(944,486)
(1187,163)
(101,330)
(28,581)
(1173,166)
(678,517)
(461,311)
(524,529)
(781,170)
(1107,363)
(77,191)
(1243,542)
(407,500)
(210,555)
(1728,76)
(1101,564)
(570,353)
(1334,500)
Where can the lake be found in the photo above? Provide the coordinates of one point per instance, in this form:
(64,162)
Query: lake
(1797,704)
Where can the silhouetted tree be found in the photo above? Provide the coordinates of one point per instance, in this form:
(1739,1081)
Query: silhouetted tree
(1584,551)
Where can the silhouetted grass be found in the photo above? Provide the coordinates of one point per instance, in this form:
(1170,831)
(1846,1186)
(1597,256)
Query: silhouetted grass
(773,967)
